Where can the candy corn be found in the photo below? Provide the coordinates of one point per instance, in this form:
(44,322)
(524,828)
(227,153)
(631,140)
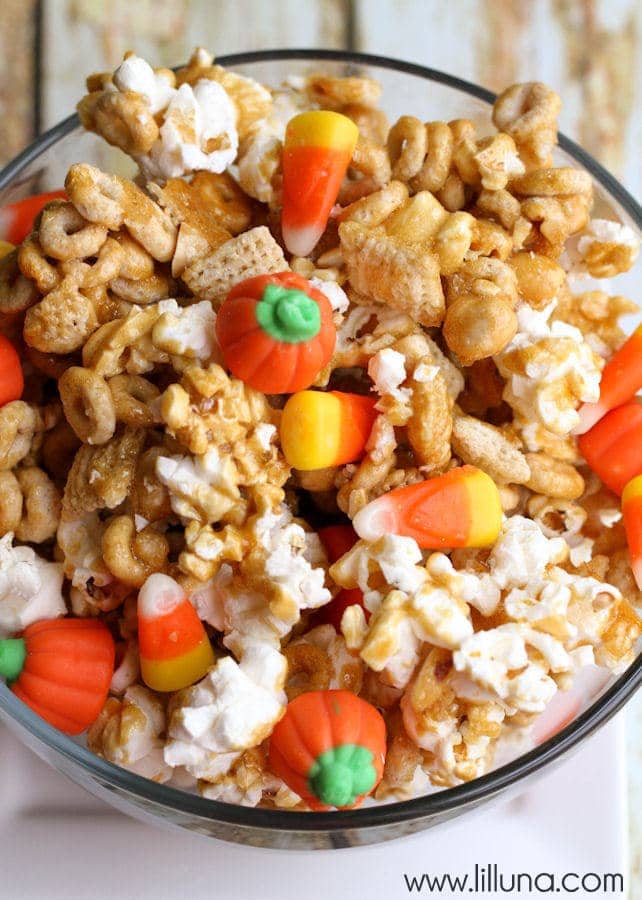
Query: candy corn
(16,219)
(613,447)
(325,428)
(317,150)
(459,509)
(632,514)
(337,540)
(621,380)
(174,648)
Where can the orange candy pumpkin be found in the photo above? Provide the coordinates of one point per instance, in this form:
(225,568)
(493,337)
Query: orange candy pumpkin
(276,332)
(330,748)
(61,669)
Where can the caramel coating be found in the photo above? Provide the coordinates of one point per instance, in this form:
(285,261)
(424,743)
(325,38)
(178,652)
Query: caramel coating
(133,556)
(476,328)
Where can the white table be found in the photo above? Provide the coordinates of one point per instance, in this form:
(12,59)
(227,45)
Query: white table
(59,843)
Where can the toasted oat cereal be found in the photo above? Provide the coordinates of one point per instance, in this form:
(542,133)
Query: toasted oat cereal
(147,447)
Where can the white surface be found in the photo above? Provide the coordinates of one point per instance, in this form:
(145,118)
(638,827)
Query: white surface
(59,843)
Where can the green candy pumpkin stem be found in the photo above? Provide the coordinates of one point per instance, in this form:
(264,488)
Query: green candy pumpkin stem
(288,315)
(341,775)
(13,653)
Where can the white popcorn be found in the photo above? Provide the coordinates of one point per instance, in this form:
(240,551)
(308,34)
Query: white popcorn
(186,330)
(201,487)
(259,158)
(387,368)
(396,557)
(293,561)
(424,373)
(580,550)
(247,616)
(381,441)
(598,231)
(246,791)
(524,562)
(490,656)
(605,231)
(443,618)
(420,604)
(128,671)
(532,324)
(80,541)
(522,553)
(590,607)
(546,608)
(560,615)
(265,434)
(209,596)
(30,588)
(291,557)
(347,332)
(259,163)
(609,517)
(232,709)
(197,123)
(430,605)
(438,739)
(559,371)
(198,133)
(443,735)
(135,74)
(334,292)
(391,645)
(132,739)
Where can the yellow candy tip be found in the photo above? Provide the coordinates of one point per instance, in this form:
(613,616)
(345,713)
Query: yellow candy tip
(166,675)
(322,128)
(486,509)
(632,489)
(311,430)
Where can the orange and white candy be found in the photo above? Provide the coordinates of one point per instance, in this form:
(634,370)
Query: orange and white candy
(459,509)
(317,150)
(613,447)
(174,648)
(620,381)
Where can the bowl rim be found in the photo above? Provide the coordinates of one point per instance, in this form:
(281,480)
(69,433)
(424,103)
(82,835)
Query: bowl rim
(441,802)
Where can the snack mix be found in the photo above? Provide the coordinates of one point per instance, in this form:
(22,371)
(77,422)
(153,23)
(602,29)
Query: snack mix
(311,460)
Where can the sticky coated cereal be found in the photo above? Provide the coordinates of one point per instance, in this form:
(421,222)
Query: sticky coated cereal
(448,261)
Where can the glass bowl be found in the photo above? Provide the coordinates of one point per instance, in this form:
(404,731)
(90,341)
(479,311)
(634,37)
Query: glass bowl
(407,89)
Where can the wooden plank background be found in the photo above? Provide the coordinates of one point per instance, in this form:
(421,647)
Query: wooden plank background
(589,50)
